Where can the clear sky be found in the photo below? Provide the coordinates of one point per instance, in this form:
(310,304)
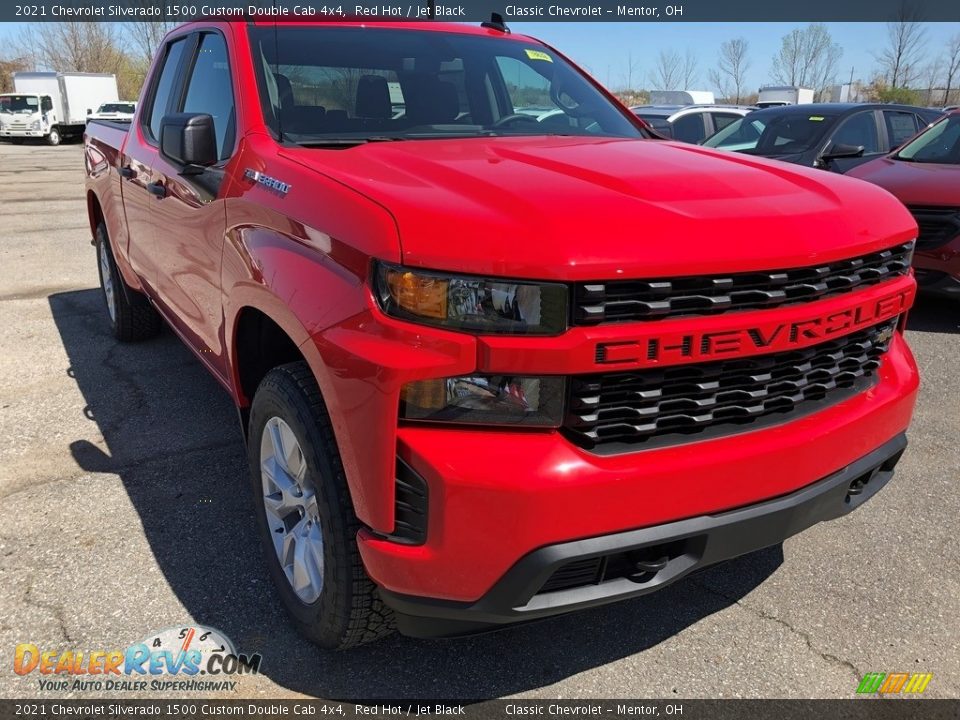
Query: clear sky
(602,47)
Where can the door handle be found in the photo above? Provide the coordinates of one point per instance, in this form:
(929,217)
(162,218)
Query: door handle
(157,188)
(127,172)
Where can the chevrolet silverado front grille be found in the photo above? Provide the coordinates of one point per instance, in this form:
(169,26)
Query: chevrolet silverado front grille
(655,299)
(938,225)
(624,411)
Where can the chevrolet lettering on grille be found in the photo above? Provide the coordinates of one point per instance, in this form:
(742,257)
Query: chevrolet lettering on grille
(768,337)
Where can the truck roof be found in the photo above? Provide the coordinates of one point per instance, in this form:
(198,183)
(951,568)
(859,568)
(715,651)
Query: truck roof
(353,21)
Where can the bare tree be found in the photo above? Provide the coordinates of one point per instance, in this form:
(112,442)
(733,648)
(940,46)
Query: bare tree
(146,37)
(953,66)
(901,60)
(668,71)
(808,57)
(730,74)
(632,66)
(7,69)
(689,71)
(73,46)
(932,74)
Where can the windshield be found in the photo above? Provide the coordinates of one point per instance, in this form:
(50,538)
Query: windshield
(322,84)
(939,144)
(771,135)
(116,108)
(19,103)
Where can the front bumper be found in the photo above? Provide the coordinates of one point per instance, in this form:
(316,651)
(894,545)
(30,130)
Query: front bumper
(22,133)
(665,552)
(497,495)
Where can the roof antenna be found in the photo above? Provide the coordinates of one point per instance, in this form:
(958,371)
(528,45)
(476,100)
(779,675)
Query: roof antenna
(496,23)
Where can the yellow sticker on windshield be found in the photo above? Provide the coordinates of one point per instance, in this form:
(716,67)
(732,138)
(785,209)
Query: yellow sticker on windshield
(538,55)
(816,118)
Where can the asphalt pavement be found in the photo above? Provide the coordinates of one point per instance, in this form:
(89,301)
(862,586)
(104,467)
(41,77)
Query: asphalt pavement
(124,510)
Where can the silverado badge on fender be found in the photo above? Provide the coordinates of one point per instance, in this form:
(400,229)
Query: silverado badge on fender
(268,182)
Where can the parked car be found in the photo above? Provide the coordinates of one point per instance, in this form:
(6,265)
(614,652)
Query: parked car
(488,372)
(118,111)
(689,123)
(925,175)
(833,136)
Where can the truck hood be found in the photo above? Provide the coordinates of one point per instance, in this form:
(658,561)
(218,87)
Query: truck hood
(598,208)
(914,183)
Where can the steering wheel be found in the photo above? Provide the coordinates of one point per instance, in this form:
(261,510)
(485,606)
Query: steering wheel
(513,117)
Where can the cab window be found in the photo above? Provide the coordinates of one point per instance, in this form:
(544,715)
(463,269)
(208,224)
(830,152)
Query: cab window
(164,86)
(210,90)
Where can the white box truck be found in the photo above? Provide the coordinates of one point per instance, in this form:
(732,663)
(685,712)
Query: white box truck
(776,95)
(53,105)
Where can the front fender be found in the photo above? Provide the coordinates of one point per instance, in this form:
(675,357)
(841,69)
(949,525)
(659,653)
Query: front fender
(307,280)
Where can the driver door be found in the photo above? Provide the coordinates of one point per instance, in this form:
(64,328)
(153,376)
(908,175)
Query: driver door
(189,216)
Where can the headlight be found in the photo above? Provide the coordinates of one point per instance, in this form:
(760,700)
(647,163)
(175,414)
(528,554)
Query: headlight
(461,302)
(486,399)
(35,125)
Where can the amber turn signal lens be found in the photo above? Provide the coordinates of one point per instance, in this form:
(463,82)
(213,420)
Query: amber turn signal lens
(474,304)
(421,295)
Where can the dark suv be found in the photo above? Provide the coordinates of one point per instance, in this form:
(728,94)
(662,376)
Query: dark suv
(832,136)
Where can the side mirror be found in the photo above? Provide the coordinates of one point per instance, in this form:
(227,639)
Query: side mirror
(839,150)
(89,111)
(188,140)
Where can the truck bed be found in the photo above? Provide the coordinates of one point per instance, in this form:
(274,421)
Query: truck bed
(122,125)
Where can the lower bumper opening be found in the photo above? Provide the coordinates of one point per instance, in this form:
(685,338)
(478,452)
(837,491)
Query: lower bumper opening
(594,571)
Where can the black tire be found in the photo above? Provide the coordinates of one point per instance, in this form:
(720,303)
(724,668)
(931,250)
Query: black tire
(348,611)
(133,317)
(54,137)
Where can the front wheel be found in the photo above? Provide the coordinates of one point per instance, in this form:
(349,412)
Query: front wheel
(305,517)
(54,137)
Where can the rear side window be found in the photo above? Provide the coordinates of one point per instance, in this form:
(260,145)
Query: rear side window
(161,97)
(209,90)
(901,126)
(689,128)
(721,120)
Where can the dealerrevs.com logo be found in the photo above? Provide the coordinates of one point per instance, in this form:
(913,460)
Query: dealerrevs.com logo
(894,683)
(193,658)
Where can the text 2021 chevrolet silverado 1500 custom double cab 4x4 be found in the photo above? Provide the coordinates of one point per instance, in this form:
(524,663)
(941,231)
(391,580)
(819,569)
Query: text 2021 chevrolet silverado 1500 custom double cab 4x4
(494,365)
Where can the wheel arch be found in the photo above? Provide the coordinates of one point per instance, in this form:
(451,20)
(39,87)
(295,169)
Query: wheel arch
(94,212)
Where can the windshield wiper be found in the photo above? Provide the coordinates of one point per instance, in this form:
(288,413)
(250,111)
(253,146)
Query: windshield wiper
(345,142)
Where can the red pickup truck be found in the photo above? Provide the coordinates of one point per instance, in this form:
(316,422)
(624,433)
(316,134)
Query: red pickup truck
(498,352)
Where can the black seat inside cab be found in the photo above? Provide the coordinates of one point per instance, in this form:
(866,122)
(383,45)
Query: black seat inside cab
(373,98)
(297,118)
(429,100)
